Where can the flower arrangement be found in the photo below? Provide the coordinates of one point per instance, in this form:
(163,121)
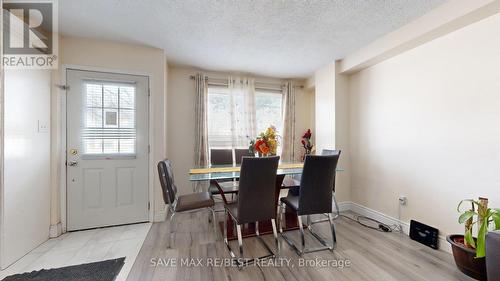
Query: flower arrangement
(306,141)
(266,143)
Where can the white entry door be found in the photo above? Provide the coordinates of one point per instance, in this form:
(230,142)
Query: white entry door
(107,149)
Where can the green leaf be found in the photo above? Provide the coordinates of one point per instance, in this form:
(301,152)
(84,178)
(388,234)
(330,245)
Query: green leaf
(496,219)
(466,200)
(465,216)
(481,235)
(470,240)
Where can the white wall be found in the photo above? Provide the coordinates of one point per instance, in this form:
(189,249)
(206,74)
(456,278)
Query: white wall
(181,125)
(119,57)
(342,136)
(331,94)
(425,124)
(324,80)
(26,198)
(181,119)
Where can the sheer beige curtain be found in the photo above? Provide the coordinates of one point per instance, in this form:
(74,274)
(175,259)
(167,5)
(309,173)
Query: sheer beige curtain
(201,126)
(242,95)
(288,139)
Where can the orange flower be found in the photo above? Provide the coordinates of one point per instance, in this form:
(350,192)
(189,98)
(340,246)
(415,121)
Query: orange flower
(258,144)
(264,149)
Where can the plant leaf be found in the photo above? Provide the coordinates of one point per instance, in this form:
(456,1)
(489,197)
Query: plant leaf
(465,216)
(466,200)
(481,235)
(470,240)
(496,219)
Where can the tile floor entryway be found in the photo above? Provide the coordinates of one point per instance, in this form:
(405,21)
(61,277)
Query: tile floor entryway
(84,247)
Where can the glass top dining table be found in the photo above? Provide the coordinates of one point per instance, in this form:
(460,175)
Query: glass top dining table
(221,172)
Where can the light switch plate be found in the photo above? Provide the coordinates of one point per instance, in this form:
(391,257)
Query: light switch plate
(43,127)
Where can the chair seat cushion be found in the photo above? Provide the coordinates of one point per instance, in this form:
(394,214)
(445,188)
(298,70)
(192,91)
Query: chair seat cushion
(227,186)
(194,201)
(291,201)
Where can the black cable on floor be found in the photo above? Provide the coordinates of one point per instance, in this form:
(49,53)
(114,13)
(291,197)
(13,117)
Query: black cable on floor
(380,226)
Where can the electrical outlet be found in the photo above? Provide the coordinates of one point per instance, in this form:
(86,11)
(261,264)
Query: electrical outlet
(403,200)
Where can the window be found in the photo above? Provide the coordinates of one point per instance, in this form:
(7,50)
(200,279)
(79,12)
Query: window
(219,117)
(233,120)
(269,111)
(109,121)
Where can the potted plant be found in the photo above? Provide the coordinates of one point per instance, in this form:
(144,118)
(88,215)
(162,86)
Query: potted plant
(468,251)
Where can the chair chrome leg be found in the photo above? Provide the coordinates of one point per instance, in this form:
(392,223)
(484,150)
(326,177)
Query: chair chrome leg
(336,207)
(280,215)
(225,227)
(275,233)
(334,236)
(240,245)
(242,261)
(302,236)
(225,236)
(240,239)
(171,229)
(271,253)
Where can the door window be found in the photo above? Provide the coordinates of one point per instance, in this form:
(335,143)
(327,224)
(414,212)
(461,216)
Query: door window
(109,123)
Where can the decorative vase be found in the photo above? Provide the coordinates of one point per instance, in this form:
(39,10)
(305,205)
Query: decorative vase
(308,151)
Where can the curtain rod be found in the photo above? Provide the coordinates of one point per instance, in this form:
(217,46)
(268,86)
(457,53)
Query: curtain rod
(192,77)
(256,88)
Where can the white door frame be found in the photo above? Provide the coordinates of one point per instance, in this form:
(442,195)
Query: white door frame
(151,164)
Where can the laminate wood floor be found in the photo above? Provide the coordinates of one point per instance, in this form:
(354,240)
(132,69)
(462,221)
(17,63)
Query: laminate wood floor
(372,255)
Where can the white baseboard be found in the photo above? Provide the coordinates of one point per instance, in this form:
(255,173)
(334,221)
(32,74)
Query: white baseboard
(365,211)
(55,230)
(344,206)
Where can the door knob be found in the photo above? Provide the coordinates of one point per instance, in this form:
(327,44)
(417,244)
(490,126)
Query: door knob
(72,163)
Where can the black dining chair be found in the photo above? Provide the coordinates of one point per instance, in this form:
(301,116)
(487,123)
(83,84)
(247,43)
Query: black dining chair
(315,197)
(239,153)
(193,202)
(221,157)
(256,202)
(332,152)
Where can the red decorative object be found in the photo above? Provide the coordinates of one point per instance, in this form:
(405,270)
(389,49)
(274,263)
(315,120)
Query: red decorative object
(306,143)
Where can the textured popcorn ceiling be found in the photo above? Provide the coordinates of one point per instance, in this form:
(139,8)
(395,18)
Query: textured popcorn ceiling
(282,38)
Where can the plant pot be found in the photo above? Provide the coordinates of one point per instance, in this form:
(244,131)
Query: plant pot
(465,258)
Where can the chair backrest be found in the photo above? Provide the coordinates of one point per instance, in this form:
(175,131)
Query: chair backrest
(330,152)
(168,187)
(221,156)
(239,153)
(317,184)
(257,187)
